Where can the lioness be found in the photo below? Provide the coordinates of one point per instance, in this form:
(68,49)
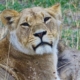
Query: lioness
(29,52)
(68,62)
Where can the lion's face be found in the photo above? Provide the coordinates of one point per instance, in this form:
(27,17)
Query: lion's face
(35,30)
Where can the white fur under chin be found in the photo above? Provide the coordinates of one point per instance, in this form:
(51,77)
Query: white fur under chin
(47,49)
(43,49)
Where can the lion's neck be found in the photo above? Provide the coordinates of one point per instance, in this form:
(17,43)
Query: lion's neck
(16,44)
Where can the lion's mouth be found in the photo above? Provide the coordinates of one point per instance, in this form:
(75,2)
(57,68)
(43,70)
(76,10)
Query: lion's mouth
(42,44)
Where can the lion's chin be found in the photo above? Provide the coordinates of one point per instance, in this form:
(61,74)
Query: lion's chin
(45,49)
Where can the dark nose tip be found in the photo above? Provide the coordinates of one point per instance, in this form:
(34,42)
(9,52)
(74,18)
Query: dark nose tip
(41,34)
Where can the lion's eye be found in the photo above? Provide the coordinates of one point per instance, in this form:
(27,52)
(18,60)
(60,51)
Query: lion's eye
(46,19)
(8,18)
(25,24)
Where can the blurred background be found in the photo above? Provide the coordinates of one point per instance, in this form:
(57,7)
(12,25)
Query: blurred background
(70,12)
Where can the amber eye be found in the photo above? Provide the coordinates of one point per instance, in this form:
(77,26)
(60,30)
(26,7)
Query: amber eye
(46,19)
(25,24)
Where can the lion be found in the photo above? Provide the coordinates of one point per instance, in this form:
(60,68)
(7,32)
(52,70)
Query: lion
(29,50)
(68,62)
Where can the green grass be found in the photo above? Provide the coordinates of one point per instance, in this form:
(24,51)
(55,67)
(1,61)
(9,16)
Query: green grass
(17,5)
(71,37)
(70,34)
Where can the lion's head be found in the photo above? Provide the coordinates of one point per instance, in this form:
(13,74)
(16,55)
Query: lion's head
(34,30)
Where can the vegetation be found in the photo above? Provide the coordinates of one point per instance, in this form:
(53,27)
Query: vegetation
(71,16)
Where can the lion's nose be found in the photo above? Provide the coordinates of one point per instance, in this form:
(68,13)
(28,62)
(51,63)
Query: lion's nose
(40,34)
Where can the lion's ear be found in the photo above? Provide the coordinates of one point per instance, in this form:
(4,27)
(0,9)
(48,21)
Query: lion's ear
(9,16)
(55,11)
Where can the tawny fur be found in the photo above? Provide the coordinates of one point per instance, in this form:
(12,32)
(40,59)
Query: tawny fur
(28,67)
(18,51)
